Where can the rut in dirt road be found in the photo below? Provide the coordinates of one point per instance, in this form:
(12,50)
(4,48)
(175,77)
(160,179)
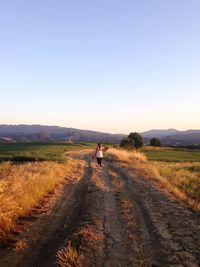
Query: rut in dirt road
(166,233)
(126,240)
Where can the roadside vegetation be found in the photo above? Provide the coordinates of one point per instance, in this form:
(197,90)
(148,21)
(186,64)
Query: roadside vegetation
(125,156)
(180,178)
(22,186)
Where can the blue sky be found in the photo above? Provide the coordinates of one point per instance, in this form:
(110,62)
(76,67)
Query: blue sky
(108,65)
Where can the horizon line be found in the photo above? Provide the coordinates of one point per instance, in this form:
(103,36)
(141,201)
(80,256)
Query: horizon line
(83,129)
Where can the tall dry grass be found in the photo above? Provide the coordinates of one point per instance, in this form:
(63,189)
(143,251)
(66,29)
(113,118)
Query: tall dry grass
(126,156)
(182,178)
(22,186)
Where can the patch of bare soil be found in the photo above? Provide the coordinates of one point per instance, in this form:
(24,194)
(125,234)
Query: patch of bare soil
(108,217)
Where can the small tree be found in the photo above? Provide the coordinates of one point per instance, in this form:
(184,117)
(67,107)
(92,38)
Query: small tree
(137,140)
(127,143)
(155,142)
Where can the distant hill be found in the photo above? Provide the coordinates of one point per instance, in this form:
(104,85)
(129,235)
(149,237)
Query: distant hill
(33,133)
(189,137)
(159,133)
(173,137)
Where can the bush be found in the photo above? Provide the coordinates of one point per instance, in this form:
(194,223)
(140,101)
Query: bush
(155,142)
(127,144)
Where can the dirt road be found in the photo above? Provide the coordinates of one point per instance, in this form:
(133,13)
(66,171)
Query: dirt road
(112,217)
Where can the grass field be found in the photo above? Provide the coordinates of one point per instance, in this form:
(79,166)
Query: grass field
(50,151)
(172,154)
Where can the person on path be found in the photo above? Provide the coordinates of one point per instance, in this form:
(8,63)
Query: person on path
(99,154)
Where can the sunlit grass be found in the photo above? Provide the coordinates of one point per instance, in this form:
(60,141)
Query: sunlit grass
(179,178)
(126,156)
(22,186)
(182,179)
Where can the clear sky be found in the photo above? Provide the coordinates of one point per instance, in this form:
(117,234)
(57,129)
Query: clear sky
(108,65)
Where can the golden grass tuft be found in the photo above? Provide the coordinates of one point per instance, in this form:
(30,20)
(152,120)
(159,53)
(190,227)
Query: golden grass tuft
(126,156)
(22,186)
(69,257)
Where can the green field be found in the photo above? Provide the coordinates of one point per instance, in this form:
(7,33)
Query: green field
(38,151)
(172,154)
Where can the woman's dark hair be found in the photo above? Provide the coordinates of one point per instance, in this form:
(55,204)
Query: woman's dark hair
(99,145)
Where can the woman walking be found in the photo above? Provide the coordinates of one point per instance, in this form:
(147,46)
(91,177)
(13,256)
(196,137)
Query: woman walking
(99,154)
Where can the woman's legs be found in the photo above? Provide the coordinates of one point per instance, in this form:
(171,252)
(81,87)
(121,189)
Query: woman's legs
(99,160)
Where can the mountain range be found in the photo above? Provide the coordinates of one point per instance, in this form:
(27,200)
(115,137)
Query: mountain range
(173,137)
(32,133)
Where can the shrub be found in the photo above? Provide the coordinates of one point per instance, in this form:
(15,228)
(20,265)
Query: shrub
(155,142)
(127,144)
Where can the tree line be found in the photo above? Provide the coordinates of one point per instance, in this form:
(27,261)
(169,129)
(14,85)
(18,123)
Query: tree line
(136,141)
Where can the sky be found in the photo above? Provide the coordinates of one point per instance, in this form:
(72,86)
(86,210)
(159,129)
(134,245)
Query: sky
(108,65)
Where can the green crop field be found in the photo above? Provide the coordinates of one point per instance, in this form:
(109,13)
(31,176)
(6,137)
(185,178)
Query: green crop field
(172,154)
(38,151)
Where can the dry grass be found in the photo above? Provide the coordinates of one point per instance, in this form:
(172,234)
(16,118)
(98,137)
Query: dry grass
(182,179)
(22,186)
(69,257)
(126,156)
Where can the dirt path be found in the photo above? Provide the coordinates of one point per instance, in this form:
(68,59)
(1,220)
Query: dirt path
(112,217)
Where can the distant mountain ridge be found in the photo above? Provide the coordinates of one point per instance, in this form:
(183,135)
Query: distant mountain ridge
(189,137)
(159,133)
(34,133)
(173,137)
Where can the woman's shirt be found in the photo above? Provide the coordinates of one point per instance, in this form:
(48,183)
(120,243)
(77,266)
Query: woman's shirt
(99,153)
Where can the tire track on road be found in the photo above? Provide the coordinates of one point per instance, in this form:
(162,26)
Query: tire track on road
(169,228)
